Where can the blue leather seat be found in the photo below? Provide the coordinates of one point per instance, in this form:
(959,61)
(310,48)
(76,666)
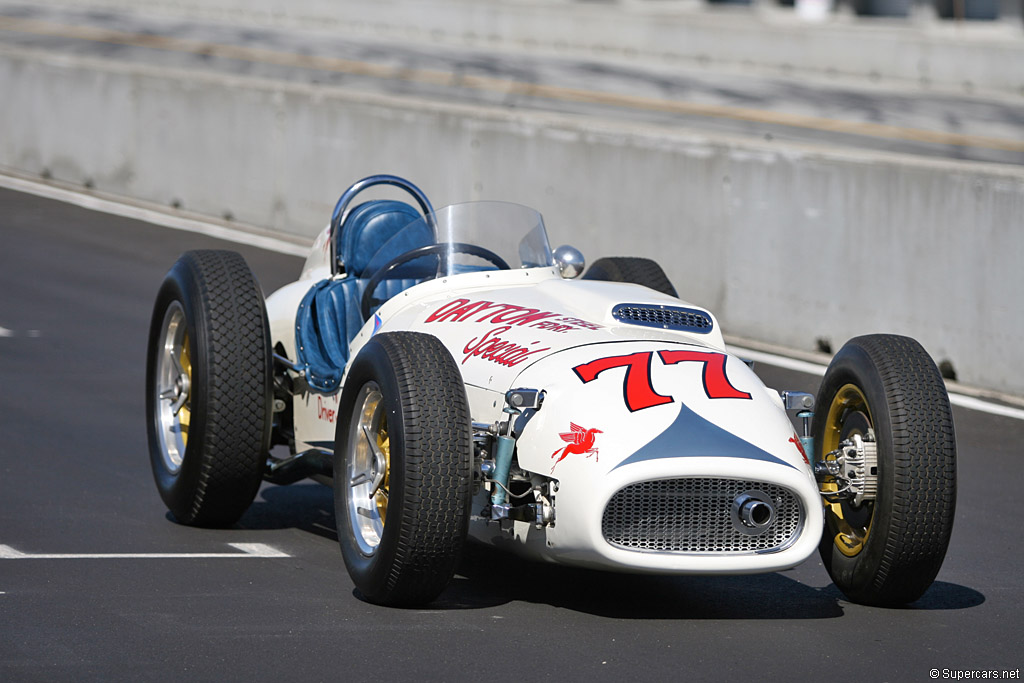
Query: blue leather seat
(329,317)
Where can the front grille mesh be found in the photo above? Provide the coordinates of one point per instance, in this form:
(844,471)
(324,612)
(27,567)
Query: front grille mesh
(694,515)
(665,317)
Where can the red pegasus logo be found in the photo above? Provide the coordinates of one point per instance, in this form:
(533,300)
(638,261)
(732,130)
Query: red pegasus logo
(580,440)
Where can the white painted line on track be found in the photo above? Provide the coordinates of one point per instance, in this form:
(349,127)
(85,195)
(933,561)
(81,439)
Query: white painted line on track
(94,203)
(34,334)
(778,361)
(961,400)
(258,550)
(984,406)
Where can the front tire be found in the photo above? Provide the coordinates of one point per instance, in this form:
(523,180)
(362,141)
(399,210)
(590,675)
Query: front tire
(402,469)
(888,551)
(208,388)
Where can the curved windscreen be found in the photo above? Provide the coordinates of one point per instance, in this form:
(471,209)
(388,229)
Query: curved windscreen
(464,238)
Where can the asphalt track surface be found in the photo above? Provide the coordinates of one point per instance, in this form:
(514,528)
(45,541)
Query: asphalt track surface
(832,111)
(76,291)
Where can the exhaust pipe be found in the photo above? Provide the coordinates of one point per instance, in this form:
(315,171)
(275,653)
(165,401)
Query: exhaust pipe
(753,512)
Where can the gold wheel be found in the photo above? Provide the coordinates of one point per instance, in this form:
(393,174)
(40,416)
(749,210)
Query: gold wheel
(209,388)
(384,445)
(883,403)
(402,468)
(848,415)
(185,412)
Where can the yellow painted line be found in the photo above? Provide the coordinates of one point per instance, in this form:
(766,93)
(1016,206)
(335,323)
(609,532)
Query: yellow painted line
(504,86)
(867,129)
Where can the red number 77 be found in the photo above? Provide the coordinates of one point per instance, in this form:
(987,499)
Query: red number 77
(637,389)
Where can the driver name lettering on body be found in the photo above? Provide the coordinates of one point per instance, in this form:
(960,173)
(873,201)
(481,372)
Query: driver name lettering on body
(324,410)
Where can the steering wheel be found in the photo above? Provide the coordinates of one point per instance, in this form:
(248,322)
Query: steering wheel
(440,250)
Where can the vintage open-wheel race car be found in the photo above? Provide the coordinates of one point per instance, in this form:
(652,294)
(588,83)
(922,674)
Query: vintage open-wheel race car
(452,377)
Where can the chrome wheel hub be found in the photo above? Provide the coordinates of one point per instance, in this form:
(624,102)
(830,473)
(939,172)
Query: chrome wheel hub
(368,469)
(174,387)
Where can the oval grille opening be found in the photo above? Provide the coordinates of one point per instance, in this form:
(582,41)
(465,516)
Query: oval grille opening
(694,515)
(664,317)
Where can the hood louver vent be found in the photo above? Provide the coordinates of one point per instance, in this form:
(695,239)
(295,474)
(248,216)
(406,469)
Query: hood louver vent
(664,317)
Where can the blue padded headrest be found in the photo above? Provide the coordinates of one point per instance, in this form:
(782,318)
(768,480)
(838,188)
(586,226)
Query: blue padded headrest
(367,228)
(412,237)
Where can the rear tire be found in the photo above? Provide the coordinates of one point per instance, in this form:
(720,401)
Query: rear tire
(887,552)
(639,271)
(402,469)
(208,388)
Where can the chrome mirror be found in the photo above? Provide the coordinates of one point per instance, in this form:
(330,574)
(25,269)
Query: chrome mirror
(570,261)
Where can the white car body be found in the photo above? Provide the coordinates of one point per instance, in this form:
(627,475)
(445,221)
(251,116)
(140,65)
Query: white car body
(709,416)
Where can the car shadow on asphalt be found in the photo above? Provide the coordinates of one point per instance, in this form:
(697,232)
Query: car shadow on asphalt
(305,506)
(487,577)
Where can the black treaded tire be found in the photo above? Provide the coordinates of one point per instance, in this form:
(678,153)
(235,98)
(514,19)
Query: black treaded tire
(231,388)
(429,472)
(639,271)
(891,382)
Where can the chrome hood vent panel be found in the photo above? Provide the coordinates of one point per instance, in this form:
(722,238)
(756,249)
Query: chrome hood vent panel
(664,317)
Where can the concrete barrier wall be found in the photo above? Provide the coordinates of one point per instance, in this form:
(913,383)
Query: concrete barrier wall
(971,55)
(786,244)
